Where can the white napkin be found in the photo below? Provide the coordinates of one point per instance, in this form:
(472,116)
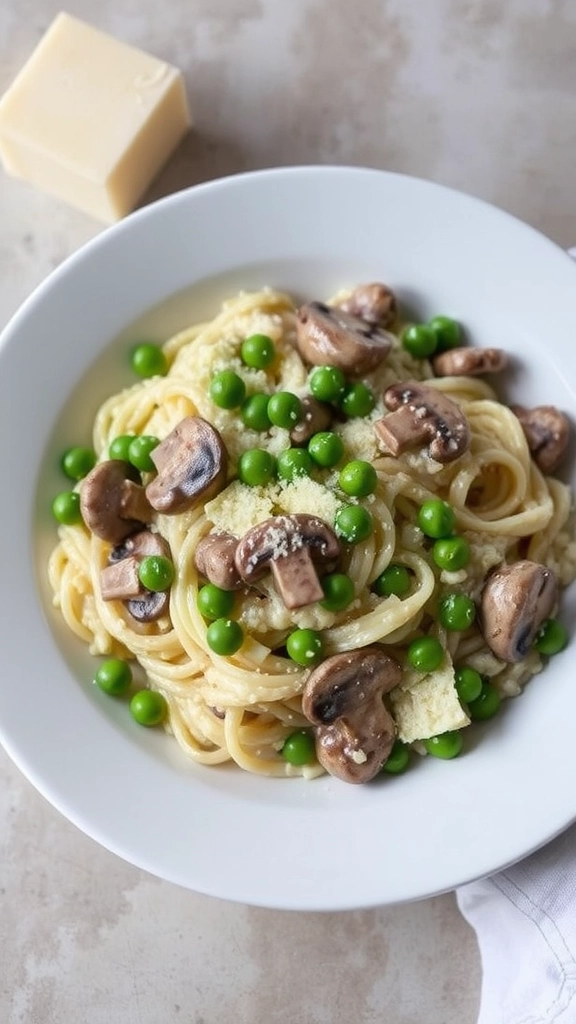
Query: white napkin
(525,923)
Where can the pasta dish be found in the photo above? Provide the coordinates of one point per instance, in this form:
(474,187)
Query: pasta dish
(313,538)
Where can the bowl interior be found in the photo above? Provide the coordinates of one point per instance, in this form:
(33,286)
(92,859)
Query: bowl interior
(308,231)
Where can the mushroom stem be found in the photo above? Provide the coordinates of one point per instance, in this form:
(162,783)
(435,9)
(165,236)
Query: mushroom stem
(400,431)
(120,580)
(133,503)
(296,579)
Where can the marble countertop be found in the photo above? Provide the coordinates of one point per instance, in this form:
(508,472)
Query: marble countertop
(477,96)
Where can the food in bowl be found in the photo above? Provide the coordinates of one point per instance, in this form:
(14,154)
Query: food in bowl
(318,534)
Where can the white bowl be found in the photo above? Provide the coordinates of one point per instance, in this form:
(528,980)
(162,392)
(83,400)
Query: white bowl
(289,843)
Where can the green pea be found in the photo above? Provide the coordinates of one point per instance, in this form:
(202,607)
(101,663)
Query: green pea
(551,638)
(394,580)
(114,677)
(468,683)
(156,573)
(148,707)
(284,409)
(256,467)
(326,448)
(299,747)
(148,360)
(338,591)
(254,412)
(358,478)
(419,340)
(327,383)
(446,331)
(213,602)
(398,759)
(140,450)
(353,523)
(457,612)
(258,351)
(446,745)
(119,447)
(451,553)
(66,508)
(77,462)
(436,518)
(227,389)
(486,705)
(224,636)
(294,462)
(304,646)
(357,400)
(425,654)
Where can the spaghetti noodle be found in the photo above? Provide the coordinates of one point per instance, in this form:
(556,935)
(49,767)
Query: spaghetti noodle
(243,706)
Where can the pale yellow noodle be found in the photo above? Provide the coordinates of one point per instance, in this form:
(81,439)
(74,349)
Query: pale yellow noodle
(242,708)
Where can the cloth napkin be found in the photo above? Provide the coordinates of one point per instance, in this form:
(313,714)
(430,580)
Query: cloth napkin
(525,924)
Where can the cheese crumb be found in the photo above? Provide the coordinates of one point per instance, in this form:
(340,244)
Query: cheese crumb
(310,497)
(239,507)
(428,706)
(359,439)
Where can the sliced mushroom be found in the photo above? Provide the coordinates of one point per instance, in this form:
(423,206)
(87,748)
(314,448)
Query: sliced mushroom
(326,336)
(113,506)
(547,432)
(119,580)
(422,414)
(150,607)
(191,464)
(469,362)
(214,559)
(316,416)
(288,546)
(516,600)
(343,698)
(375,303)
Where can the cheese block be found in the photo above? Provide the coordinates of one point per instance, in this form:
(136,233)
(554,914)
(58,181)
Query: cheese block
(91,120)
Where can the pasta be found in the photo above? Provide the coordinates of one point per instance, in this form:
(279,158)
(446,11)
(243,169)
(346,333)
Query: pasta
(243,706)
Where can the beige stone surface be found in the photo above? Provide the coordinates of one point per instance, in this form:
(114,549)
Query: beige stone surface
(480,96)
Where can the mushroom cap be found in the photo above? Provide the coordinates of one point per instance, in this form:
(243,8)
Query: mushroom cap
(516,600)
(423,413)
(279,537)
(327,336)
(113,506)
(547,432)
(375,303)
(150,606)
(343,698)
(214,559)
(469,362)
(191,462)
